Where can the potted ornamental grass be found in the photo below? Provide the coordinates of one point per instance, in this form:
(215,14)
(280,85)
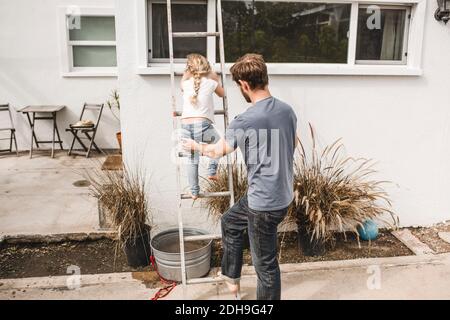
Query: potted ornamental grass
(121,195)
(334,194)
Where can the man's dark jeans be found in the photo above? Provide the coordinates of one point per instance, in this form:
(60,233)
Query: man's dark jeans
(262,232)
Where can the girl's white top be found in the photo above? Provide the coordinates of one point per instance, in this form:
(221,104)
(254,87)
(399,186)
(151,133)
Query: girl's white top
(205,104)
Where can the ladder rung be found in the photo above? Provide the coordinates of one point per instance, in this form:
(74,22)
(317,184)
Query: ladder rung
(194,34)
(207,195)
(183,154)
(203,237)
(205,280)
(216,112)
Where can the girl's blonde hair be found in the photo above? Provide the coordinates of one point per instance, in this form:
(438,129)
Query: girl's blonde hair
(198,66)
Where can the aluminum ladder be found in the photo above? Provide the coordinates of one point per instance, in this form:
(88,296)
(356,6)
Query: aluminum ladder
(176,114)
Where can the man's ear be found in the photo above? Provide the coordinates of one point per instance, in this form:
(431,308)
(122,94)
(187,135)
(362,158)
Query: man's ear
(244,85)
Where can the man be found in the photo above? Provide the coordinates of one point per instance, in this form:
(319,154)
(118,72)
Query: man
(266,135)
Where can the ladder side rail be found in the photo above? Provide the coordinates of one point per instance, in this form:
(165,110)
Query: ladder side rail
(225,96)
(177,159)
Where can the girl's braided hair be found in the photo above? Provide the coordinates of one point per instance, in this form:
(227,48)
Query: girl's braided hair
(198,66)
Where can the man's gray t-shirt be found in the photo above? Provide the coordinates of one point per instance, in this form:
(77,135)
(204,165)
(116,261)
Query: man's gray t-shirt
(266,134)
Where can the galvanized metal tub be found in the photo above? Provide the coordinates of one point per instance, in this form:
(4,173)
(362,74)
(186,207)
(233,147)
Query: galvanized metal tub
(166,250)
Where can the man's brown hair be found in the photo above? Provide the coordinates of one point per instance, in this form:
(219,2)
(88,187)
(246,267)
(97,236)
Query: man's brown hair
(251,68)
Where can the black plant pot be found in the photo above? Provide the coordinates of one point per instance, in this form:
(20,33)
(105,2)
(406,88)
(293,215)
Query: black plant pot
(138,250)
(310,248)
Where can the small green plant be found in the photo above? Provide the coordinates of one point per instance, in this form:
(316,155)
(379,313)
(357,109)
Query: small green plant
(114,104)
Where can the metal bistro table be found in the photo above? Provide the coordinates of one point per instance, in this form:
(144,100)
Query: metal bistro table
(48,113)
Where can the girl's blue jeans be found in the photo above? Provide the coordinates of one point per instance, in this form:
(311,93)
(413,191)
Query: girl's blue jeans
(202,132)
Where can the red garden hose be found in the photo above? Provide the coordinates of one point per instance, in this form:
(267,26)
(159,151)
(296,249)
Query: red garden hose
(170,285)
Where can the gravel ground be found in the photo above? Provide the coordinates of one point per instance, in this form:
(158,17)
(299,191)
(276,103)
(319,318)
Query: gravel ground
(430,236)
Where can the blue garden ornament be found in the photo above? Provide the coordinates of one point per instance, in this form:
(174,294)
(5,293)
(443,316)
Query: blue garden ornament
(369,231)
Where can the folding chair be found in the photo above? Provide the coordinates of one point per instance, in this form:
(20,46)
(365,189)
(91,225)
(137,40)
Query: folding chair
(89,129)
(8,126)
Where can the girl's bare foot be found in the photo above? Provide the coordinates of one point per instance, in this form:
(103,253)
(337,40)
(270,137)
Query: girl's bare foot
(194,196)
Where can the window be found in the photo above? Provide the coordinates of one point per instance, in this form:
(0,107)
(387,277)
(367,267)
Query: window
(382,35)
(287,31)
(190,16)
(317,37)
(88,37)
(92,42)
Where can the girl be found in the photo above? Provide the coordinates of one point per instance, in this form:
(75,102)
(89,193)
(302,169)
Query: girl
(198,84)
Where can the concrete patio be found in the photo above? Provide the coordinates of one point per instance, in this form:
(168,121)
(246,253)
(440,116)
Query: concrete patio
(38,195)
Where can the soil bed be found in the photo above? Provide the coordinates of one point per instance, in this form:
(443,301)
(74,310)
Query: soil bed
(100,256)
(53,259)
(385,246)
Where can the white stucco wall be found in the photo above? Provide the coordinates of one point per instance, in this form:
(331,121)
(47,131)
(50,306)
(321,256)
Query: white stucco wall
(30,70)
(402,122)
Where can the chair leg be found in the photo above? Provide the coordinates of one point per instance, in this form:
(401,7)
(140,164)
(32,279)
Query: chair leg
(15,143)
(58,136)
(73,143)
(53,138)
(11,140)
(33,136)
(90,144)
(81,142)
(93,142)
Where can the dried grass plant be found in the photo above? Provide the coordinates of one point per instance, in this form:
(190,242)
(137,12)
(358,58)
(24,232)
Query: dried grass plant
(122,193)
(218,205)
(335,193)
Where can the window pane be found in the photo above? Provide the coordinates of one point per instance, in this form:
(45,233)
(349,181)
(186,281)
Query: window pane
(94,56)
(287,31)
(94,28)
(380,37)
(186,18)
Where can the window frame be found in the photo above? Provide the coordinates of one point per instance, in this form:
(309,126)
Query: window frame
(66,49)
(408,17)
(150,42)
(414,41)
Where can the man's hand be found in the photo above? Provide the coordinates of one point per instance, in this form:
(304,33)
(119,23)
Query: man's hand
(190,145)
(213,151)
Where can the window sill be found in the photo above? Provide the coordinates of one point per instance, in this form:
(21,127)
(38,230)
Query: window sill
(306,69)
(110,73)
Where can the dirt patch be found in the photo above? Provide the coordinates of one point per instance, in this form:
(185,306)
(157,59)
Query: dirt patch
(430,236)
(113,162)
(101,256)
(81,184)
(344,249)
(53,259)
